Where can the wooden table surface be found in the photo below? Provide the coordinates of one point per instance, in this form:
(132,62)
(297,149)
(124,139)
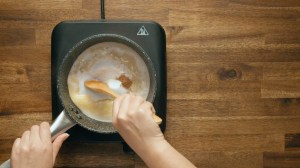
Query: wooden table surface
(233,78)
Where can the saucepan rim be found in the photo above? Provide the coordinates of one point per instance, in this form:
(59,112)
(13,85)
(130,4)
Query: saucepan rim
(63,71)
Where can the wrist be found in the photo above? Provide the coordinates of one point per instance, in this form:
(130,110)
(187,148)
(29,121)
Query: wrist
(153,149)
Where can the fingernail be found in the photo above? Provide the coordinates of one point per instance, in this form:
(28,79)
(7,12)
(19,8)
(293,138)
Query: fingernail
(66,136)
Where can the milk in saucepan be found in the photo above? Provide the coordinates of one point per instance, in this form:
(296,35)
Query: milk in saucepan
(103,62)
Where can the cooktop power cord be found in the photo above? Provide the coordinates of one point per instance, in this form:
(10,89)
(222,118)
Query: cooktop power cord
(102,9)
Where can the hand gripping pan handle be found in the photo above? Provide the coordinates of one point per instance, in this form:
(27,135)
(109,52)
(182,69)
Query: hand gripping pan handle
(60,125)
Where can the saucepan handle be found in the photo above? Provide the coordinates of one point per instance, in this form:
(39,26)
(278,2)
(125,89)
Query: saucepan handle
(60,125)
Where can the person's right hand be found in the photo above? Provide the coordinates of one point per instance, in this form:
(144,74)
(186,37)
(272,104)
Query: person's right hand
(132,117)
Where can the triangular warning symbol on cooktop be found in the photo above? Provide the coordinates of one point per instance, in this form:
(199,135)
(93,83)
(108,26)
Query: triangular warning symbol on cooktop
(143,31)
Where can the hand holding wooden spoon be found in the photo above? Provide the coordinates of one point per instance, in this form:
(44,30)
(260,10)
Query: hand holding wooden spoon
(103,88)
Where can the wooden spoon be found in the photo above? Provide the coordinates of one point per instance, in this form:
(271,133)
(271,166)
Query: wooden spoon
(100,87)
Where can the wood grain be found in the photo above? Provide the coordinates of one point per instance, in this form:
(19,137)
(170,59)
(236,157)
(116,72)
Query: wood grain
(233,78)
(235,143)
(280,89)
(292,142)
(281,159)
(14,37)
(234,107)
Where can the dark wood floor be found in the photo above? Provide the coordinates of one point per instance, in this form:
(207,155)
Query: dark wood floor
(233,78)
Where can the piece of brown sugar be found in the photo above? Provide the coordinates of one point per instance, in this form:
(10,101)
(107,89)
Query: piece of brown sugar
(126,82)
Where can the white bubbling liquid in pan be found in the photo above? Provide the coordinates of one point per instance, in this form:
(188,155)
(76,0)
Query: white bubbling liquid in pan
(104,62)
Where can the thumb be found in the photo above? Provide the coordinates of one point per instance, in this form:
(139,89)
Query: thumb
(57,144)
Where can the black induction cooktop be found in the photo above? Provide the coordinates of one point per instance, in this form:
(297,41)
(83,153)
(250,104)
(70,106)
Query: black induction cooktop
(149,35)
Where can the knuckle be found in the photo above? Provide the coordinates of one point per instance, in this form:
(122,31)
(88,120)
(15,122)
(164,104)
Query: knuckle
(34,127)
(131,114)
(140,98)
(17,140)
(45,124)
(26,132)
(122,119)
(33,147)
(148,104)
(16,152)
(45,148)
(25,149)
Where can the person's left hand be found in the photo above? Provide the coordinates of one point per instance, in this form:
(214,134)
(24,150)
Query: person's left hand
(35,148)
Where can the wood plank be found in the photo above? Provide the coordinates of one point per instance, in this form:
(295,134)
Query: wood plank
(155,11)
(40,4)
(192,34)
(19,15)
(88,160)
(192,72)
(43,37)
(233,107)
(5,147)
(37,91)
(105,154)
(25,55)
(281,71)
(226,143)
(234,89)
(281,159)
(11,107)
(178,53)
(176,4)
(265,3)
(217,159)
(234,17)
(67,14)
(17,124)
(283,38)
(93,5)
(280,89)
(47,15)
(23,73)
(13,37)
(15,73)
(292,142)
(173,33)
(233,125)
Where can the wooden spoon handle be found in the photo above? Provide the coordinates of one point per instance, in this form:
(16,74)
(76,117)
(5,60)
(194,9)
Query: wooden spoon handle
(100,87)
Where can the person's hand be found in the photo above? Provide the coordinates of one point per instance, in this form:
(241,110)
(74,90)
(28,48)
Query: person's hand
(132,117)
(35,148)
